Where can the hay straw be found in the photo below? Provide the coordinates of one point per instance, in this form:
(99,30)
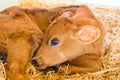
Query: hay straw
(45,3)
(2,71)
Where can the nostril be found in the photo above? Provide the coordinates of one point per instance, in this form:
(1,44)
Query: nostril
(34,62)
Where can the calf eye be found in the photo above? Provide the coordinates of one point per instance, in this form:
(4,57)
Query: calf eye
(54,42)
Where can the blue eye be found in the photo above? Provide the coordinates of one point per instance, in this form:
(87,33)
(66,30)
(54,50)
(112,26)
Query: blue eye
(54,42)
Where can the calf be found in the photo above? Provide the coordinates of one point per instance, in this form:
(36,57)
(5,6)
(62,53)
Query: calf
(76,37)
(21,36)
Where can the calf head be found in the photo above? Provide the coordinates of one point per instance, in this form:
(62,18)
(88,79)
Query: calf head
(70,35)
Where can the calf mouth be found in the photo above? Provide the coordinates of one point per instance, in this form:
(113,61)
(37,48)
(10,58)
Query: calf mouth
(43,67)
(55,68)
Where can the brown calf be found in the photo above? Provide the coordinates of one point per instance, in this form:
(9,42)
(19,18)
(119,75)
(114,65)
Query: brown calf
(20,36)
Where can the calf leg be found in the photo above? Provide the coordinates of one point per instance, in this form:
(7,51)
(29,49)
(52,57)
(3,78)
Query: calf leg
(19,55)
(85,63)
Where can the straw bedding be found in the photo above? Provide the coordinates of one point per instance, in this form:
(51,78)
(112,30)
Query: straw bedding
(111,71)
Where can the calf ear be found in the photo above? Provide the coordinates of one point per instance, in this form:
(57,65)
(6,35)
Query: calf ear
(88,34)
(82,13)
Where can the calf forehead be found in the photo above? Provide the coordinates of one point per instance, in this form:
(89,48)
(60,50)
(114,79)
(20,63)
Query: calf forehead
(59,26)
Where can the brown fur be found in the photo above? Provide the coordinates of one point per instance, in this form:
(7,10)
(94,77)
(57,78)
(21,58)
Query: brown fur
(20,36)
(82,51)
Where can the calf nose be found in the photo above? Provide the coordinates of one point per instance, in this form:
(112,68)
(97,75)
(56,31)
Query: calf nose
(3,57)
(34,62)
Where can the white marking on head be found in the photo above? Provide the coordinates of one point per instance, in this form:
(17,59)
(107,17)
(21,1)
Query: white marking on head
(61,54)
